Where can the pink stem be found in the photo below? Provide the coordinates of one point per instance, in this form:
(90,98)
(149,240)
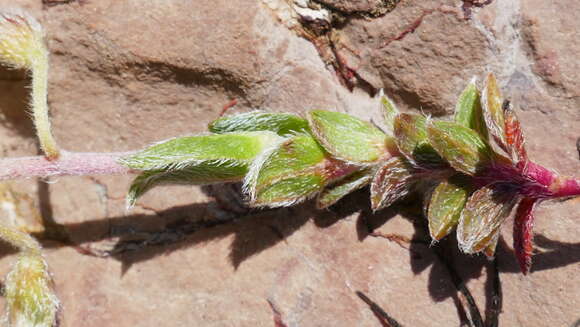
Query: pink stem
(566,187)
(68,164)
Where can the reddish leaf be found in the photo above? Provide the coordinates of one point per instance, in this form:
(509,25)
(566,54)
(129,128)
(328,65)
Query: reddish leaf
(484,212)
(493,112)
(523,235)
(514,135)
(489,250)
(390,183)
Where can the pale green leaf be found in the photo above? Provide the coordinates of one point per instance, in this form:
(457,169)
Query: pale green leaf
(183,151)
(343,187)
(390,112)
(445,206)
(412,142)
(462,147)
(468,110)
(280,123)
(348,138)
(295,170)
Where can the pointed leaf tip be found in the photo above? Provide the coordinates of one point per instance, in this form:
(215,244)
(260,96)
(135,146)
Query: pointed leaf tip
(468,110)
(390,111)
(492,104)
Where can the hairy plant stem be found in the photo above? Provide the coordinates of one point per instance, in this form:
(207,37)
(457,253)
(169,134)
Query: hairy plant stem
(67,164)
(39,105)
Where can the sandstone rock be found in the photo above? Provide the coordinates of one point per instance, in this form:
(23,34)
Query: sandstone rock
(128,73)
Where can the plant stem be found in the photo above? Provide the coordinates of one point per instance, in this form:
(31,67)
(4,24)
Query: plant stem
(40,106)
(67,164)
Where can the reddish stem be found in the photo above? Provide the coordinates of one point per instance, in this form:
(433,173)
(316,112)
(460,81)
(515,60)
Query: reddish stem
(68,164)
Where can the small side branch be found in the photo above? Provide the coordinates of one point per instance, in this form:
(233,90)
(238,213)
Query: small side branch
(68,164)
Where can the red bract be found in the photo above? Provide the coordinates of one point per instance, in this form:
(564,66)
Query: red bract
(486,143)
(525,180)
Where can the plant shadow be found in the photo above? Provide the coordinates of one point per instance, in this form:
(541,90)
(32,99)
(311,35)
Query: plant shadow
(255,231)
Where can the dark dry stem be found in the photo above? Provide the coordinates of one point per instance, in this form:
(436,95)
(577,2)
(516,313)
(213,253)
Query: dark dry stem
(475,315)
(68,164)
(496,297)
(384,318)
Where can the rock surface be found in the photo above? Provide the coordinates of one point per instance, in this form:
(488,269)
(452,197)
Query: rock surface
(128,73)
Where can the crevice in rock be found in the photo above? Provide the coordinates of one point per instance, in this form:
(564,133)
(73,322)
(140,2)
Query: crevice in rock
(384,7)
(52,3)
(468,6)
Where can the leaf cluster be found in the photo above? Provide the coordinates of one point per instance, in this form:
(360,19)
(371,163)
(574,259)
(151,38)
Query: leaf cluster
(471,167)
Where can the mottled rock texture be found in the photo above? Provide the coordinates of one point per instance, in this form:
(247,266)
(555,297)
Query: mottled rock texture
(126,73)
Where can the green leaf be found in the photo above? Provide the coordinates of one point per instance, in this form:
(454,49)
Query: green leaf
(294,171)
(491,102)
(462,147)
(468,110)
(390,112)
(194,173)
(411,138)
(280,123)
(445,206)
(29,293)
(348,138)
(190,150)
(343,187)
(197,160)
(391,182)
(482,216)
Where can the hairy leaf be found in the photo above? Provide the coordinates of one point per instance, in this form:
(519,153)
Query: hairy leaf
(468,110)
(29,293)
(462,147)
(194,173)
(523,234)
(348,138)
(185,151)
(343,187)
(21,40)
(390,112)
(280,123)
(391,182)
(295,170)
(514,135)
(490,248)
(491,102)
(197,160)
(484,212)
(445,206)
(411,138)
